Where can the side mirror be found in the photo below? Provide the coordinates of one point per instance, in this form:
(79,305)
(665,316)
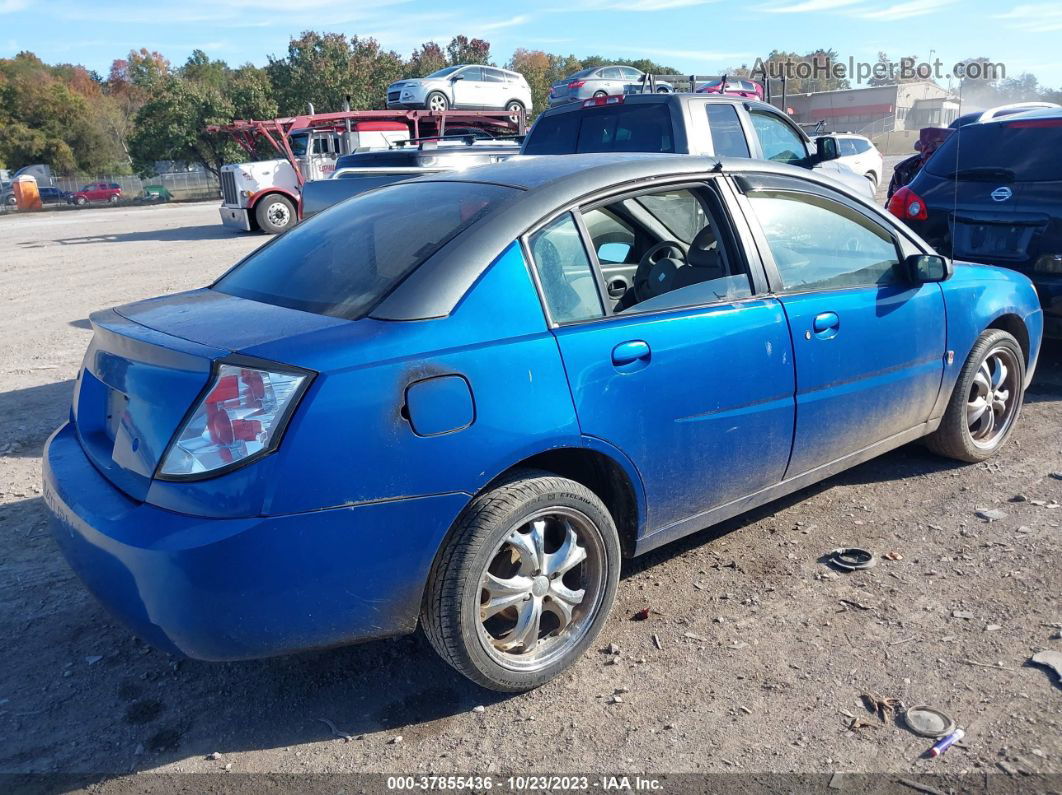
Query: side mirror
(455,78)
(827,148)
(928,268)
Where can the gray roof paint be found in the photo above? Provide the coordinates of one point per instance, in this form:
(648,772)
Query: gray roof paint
(546,183)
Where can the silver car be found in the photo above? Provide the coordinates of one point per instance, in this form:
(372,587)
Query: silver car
(464,87)
(601,81)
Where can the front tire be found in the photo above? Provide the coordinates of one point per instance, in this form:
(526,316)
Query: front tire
(437,101)
(986,401)
(274,214)
(524,583)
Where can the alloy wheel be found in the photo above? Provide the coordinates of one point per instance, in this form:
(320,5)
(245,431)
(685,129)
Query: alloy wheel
(541,588)
(994,397)
(437,103)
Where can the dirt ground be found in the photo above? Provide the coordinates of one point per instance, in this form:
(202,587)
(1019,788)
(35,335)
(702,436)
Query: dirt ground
(762,654)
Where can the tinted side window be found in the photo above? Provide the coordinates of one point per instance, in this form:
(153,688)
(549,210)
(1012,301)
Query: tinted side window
(861,145)
(846,146)
(818,244)
(493,75)
(728,139)
(565,272)
(472,73)
(777,139)
(612,73)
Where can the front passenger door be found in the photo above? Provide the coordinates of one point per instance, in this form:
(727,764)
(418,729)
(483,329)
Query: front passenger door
(468,91)
(868,344)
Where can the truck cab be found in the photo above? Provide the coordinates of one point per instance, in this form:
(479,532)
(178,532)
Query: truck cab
(265,194)
(690,124)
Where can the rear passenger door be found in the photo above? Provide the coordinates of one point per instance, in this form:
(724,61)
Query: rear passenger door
(495,90)
(869,344)
(692,378)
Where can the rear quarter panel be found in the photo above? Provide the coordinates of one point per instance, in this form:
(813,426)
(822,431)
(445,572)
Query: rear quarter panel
(351,441)
(977,296)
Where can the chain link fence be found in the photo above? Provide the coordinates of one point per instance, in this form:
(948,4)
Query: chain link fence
(181,185)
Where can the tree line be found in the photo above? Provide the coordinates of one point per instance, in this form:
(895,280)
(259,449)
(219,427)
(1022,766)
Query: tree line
(146,109)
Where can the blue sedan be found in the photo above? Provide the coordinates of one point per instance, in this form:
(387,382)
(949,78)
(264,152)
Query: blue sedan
(460,401)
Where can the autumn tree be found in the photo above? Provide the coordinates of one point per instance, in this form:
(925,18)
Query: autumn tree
(463,50)
(427,58)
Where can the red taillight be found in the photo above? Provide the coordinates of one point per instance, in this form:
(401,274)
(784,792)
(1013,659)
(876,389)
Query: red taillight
(599,101)
(576,84)
(242,416)
(907,205)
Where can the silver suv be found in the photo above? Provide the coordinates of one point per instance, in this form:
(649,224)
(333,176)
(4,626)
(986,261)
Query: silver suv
(601,81)
(465,87)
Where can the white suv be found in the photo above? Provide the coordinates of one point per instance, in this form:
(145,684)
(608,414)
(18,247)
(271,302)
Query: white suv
(860,155)
(467,87)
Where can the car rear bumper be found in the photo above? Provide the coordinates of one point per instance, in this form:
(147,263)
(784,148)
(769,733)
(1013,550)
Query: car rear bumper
(229,589)
(235,217)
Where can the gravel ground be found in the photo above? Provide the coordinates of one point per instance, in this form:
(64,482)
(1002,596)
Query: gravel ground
(762,654)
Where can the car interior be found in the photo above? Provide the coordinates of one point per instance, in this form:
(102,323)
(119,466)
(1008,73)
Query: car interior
(656,250)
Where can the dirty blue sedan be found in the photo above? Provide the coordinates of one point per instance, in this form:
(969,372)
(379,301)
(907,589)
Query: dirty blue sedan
(460,401)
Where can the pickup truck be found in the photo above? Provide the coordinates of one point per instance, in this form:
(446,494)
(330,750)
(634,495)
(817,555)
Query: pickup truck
(361,171)
(688,124)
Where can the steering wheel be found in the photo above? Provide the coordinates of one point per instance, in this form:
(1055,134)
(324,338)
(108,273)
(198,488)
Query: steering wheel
(656,269)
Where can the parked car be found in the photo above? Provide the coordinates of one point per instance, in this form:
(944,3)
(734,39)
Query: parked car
(468,87)
(992,193)
(97,192)
(691,124)
(999,112)
(601,81)
(49,195)
(426,406)
(734,87)
(362,171)
(859,154)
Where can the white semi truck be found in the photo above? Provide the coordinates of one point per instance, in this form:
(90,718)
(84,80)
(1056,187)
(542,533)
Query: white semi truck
(264,195)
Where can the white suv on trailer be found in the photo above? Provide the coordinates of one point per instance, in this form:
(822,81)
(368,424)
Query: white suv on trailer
(465,87)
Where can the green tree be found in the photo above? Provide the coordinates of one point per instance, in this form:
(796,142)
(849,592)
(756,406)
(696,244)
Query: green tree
(428,58)
(462,50)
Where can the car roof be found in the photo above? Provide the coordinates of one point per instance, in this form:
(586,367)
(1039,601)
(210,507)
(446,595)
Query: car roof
(1036,113)
(543,184)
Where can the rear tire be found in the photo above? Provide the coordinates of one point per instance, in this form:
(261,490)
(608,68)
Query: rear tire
(516,109)
(599,94)
(274,214)
(80,201)
(437,101)
(986,401)
(544,550)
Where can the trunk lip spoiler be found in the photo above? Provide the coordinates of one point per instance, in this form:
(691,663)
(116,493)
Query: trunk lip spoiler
(251,362)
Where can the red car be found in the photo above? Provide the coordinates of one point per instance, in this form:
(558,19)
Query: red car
(736,87)
(97,192)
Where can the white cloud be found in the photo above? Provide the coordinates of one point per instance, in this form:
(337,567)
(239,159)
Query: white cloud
(631,5)
(10,6)
(1034,18)
(806,6)
(915,8)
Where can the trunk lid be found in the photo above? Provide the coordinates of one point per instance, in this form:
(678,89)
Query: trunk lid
(149,362)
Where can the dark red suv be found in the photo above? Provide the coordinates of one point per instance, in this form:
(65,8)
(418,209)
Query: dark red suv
(97,192)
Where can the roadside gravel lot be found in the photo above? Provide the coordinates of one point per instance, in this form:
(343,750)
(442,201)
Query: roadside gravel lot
(763,652)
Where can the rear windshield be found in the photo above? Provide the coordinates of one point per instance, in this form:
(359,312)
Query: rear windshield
(346,259)
(612,128)
(1023,150)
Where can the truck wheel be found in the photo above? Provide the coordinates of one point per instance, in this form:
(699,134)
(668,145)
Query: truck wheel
(524,583)
(274,214)
(437,101)
(986,400)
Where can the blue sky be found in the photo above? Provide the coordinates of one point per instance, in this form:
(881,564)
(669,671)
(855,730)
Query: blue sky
(697,36)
